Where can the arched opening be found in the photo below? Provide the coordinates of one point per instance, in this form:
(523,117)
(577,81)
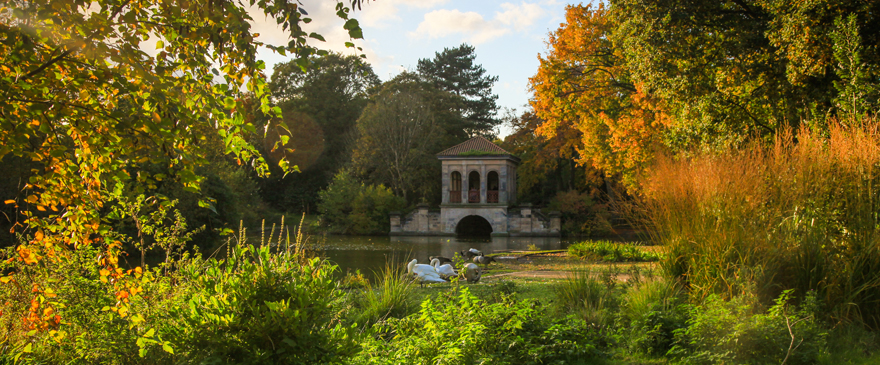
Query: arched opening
(474,187)
(492,187)
(455,187)
(473,226)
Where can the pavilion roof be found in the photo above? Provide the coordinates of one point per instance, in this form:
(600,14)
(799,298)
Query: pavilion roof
(476,146)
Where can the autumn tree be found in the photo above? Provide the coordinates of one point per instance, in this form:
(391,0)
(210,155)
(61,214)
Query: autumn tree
(584,94)
(453,70)
(91,89)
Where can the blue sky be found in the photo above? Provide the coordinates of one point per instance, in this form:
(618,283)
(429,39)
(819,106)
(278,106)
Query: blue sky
(507,35)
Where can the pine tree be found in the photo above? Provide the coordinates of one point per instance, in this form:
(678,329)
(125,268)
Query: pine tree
(454,71)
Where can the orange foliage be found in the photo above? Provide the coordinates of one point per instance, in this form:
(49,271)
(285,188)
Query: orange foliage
(583,84)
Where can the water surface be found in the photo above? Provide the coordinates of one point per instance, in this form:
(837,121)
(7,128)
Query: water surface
(369,253)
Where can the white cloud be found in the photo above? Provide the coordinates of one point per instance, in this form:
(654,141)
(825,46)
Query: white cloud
(476,29)
(442,23)
(519,16)
(379,14)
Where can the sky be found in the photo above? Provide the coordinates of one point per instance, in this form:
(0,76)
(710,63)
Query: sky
(507,36)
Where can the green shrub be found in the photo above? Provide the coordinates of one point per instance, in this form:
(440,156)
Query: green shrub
(257,306)
(466,330)
(350,207)
(610,252)
(651,312)
(581,216)
(739,332)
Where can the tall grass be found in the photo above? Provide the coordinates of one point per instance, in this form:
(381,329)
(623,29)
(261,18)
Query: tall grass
(801,213)
(392,296)
(588,294)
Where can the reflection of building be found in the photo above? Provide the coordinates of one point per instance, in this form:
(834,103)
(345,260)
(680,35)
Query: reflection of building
(479,188)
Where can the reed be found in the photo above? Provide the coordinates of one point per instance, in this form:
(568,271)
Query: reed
(391,296)
(801,213)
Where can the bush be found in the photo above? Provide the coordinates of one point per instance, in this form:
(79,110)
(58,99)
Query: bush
(651,313)
(581,216)
(738,332)
(610,252)
(350,207)
(260,307)
(763,219)
(466,330)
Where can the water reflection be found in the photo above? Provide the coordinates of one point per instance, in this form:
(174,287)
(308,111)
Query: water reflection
(369,254)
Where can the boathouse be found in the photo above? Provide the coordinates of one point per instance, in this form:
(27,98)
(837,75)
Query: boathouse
(479,198)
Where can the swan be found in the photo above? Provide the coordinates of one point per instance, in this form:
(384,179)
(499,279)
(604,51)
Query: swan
(425,273)
(471,272)
(444,270)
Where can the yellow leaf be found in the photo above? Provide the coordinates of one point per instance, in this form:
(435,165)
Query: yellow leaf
(38,236)
(5,279)
(10,201)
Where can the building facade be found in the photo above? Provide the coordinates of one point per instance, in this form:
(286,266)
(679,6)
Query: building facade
(479,197)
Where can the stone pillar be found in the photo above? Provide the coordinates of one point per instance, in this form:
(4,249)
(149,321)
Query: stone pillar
(502,184)
(445,184)
(483,184)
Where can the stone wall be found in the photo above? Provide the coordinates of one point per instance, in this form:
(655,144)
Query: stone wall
(420,222)
(504,222)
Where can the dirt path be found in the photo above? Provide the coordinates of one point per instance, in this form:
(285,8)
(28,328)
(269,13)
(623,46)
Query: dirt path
(543,274)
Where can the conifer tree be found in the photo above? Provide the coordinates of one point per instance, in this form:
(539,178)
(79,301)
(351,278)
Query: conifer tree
(454,71)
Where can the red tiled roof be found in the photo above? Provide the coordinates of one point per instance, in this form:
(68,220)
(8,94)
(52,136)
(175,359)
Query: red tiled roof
(476,144)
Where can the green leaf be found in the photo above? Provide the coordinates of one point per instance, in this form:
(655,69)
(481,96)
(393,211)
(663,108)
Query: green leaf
(167,347)
(160,44)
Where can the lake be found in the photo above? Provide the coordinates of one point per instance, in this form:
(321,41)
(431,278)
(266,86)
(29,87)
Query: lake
(369,253)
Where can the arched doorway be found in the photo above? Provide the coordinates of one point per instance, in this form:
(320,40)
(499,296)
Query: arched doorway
(455,188)
(474,187)
(473,226)
(492,187)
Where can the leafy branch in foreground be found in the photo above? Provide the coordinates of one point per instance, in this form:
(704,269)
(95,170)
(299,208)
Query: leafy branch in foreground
(93,91)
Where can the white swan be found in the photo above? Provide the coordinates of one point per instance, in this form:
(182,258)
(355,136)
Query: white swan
(471,272)
(425,273)
(443,270)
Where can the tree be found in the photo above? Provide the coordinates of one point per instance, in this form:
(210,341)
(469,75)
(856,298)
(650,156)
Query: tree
(397,136)
(454,71)
(727,70)
(330,95)
(584,94)
(83,96)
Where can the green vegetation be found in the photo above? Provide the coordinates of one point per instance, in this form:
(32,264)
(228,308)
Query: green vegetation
(350,207)
(759,180)
(611,252)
